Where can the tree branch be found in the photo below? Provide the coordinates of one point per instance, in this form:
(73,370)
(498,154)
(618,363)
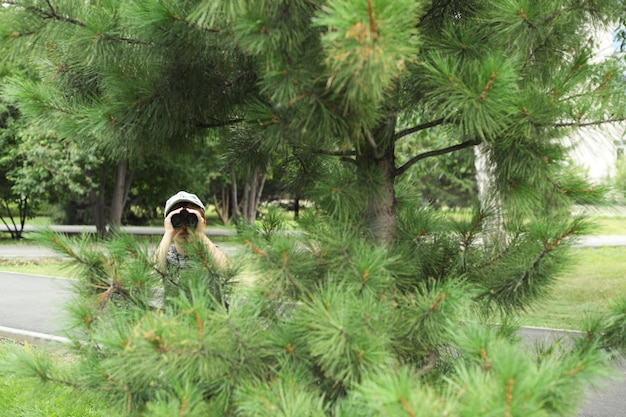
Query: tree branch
(335,153)
(401,170)
(219,124)
(584,124)
(417,128)
(52,14)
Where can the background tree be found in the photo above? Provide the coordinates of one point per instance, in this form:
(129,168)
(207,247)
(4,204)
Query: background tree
(119,86)
(17,202)
(15,206)
(447,180)
(245,156)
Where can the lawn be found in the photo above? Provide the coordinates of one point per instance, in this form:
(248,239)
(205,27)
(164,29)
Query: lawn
(597,276)
(21,396)
(608,226)
(47,266)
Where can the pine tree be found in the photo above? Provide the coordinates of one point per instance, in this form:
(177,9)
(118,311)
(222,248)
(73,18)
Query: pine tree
(361,313)
(508,76)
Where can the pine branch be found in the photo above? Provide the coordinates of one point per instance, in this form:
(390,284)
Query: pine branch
(583,124)
(29,33)
(498,256)
(46,377)
(52,14)
(418,128)
(335,153)
(468,237)
(236,333)
(129,40)
(525,278)
(219,124)
(401,170)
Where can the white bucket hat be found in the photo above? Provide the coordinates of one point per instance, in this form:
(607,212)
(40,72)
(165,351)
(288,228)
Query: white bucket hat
(182,197)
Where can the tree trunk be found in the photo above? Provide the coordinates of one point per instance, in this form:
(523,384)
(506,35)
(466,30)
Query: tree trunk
(296,208)
(222,206)
(490,202)
(96,199)
(14,229)
(121,188)
(259,179)
(235,201)
(376,172)
(253,188)
(246,200)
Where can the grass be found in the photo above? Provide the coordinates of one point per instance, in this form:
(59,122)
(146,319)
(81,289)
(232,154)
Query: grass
(51,267)
(24,396)
(608,226)
(597,276)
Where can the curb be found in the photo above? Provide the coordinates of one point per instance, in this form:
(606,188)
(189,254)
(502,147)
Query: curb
(30,337)
(38,338)
(133,230)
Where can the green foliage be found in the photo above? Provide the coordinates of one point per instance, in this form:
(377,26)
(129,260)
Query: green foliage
(357,313)
(612,329)
(619,182)
(23,395)
(363,47)
(104,91)
(511,380)
(330,327)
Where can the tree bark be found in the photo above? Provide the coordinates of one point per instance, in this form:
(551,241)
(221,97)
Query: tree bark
(253,188)
(248,200)
(96,199)
(234,200)
(121,188)
(489,197)
(376,174)
(260,178)
(22,207)
(222,206)
(296,208)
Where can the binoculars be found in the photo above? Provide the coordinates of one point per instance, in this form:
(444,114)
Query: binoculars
(184,217)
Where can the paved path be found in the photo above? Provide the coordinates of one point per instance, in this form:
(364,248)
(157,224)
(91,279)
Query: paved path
(26,251)
(32,252)
(33,302)
(609,399)
(135,230)
(585,241)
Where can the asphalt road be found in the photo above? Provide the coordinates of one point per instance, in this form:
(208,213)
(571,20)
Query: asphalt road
(608,399)
(34,306)
(33,302)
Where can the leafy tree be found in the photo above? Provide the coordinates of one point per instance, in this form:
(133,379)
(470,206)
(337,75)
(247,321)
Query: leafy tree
(119,88)
(10,198)
(245,156)
(12,160)
(360,314)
